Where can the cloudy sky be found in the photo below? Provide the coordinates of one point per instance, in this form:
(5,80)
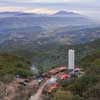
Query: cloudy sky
(86,7)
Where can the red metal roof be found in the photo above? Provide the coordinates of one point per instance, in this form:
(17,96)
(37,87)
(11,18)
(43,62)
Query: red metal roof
(64,76)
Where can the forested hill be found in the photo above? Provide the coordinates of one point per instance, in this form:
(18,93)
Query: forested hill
(48,57)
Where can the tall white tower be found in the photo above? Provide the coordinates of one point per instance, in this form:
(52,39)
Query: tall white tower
(71,59)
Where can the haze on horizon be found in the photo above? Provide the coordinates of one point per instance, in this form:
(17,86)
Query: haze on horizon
(85,7)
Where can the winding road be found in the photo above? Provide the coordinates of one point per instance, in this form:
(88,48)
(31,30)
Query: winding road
(38,95)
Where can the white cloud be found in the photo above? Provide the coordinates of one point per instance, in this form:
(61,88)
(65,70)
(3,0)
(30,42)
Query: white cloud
(28,10)
(41,10)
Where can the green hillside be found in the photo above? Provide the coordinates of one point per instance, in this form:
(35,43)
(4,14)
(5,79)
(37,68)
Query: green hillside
(91,59)
(10,65)
(52,55)
(47,57)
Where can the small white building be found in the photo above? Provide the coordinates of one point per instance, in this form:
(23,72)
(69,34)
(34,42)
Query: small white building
(71,59)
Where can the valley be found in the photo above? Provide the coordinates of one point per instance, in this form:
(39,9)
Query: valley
(34,30)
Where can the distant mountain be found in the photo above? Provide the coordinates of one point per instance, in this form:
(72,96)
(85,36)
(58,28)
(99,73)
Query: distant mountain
(15,14)
(10,13)
(65,13)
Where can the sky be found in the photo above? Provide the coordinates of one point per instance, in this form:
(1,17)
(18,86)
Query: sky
(85,7)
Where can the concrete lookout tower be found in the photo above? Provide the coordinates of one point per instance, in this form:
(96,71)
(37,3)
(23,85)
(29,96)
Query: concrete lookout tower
(71,59)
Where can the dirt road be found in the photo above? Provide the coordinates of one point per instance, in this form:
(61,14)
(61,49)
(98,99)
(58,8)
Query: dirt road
(38,95)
